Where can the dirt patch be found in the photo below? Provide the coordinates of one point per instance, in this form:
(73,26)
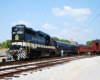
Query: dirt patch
(2,52)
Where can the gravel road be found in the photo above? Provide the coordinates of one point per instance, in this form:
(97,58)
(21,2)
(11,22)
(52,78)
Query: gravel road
(83,69)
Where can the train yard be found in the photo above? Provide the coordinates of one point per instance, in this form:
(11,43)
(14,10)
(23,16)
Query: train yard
(11,68)
(32,51)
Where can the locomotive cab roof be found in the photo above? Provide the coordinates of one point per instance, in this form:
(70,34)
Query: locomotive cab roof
(22,25)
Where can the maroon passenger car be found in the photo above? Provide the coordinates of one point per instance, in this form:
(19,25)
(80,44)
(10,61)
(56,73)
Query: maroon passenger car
(96,46)
(84,48)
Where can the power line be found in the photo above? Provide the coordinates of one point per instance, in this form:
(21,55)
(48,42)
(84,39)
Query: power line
(93,3)
(89,3)
(91,15)
(90,23)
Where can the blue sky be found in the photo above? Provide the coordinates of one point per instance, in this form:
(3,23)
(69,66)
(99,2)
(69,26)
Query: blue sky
(64,19)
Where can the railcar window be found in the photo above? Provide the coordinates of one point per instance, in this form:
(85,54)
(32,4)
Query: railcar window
(58,46)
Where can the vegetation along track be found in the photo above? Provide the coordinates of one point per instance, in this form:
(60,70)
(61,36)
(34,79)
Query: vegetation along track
(34,66)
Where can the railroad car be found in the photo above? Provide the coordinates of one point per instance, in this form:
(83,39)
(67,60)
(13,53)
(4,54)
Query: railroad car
(28,43)
(68,49)
(84,48)
(96,47)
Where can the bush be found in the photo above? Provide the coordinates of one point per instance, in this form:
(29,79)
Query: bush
(6,44)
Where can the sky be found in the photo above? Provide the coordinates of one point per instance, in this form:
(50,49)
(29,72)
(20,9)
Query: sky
(66,19)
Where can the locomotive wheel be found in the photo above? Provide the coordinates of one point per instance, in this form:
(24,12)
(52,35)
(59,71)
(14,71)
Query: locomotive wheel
(32,57)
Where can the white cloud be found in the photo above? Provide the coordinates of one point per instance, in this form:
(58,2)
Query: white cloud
(21,22)
(70,12)
(55,35)
(8,38)
(75,34)
(42,14)
(82,18)
(87,30)
(65,32)
(75,28)
(79,14)
(3,23)
(48,26)
(27,15)
(66,24)
(0,38)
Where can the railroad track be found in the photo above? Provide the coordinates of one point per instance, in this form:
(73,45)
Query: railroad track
(36,60)
(35,66)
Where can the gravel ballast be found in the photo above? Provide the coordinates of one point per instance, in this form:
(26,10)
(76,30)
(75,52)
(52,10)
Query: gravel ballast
(83,69)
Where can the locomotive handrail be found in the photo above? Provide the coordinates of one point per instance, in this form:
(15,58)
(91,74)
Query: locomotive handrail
(29,46)
(26,47)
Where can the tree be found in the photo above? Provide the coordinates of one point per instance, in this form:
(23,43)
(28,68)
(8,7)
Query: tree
(55,38)
(89,42)
(0,44)
(62,40)
(6,44)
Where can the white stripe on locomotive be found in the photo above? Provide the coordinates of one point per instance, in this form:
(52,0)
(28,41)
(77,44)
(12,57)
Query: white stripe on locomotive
(32,45)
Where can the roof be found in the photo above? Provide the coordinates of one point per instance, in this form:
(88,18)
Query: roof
(65,43)
(97,40)
(85,45)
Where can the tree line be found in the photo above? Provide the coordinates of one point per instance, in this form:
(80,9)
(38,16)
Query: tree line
(89,42)
(62,40)
(5,44)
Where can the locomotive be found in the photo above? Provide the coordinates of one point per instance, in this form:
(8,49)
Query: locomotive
(28,43)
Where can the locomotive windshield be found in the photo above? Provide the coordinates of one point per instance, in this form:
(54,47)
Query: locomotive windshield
(18,33)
